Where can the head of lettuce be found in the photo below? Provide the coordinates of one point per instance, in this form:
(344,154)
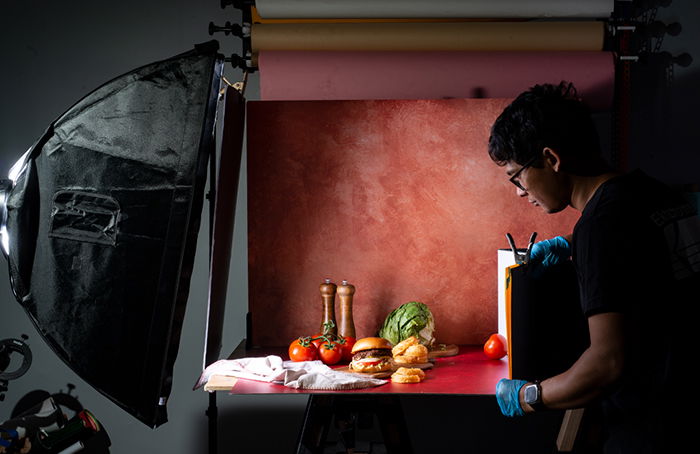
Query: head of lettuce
(410,319)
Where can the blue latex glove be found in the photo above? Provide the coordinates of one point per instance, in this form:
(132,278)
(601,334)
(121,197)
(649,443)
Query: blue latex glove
(7,440)
(508,397)
(550,252)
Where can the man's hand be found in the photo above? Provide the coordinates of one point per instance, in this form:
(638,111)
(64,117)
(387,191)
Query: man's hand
(508,397)
(550,252)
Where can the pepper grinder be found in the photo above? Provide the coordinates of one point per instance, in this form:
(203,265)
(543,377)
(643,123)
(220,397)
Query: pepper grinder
(346,328)
(328,290)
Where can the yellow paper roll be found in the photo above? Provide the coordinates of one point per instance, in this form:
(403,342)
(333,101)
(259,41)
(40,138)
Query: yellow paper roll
(450,36)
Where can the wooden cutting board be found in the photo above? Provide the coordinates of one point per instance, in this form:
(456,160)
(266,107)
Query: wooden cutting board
(441,350)
(220,383)
(384,374)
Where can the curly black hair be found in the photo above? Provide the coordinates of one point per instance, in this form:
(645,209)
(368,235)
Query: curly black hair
(547,116)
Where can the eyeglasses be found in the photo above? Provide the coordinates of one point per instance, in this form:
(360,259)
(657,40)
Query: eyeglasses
(514,179)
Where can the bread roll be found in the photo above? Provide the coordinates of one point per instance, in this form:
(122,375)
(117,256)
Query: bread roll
(408,375)
(403,345)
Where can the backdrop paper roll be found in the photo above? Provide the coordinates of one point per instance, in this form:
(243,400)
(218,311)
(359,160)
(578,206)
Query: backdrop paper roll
(257,19)
(398,197)
(433,75)
(434,8)
(435,36)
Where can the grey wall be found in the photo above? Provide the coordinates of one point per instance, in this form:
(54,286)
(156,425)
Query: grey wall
(53,53)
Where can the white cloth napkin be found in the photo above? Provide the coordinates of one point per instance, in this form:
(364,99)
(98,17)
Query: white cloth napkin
(299,375)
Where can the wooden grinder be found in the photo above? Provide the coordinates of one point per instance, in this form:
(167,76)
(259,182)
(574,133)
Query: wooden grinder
(346,328)
(328,290)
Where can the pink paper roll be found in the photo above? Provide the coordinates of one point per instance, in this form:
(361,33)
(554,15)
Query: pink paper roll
(286,75)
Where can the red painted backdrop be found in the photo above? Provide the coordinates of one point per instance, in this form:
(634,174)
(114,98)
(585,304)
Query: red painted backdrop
(399,198)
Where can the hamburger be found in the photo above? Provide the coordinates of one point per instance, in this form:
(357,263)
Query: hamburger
(371,354)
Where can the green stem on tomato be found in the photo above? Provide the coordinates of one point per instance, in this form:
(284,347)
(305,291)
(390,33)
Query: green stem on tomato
(305,341)
(328,325)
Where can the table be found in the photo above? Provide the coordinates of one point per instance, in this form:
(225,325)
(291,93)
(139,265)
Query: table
(470,372)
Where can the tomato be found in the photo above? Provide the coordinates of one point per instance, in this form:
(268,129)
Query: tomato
(370,361)
(346,344)
(330,352)
(317,342)
(496,346)
(302,349)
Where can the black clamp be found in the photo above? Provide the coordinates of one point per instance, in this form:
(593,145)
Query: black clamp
(241,31)
(658,29)
(684,60)
(521,257)
(245,63)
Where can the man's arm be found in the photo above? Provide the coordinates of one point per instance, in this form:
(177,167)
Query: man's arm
(597,368)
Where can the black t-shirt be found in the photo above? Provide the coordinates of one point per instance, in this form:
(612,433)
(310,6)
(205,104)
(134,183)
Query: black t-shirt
(636,249)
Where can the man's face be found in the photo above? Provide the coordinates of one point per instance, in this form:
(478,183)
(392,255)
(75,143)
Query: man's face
(541,185)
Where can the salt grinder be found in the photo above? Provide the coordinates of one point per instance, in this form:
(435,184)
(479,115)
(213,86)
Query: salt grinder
(346,328)
(328,290)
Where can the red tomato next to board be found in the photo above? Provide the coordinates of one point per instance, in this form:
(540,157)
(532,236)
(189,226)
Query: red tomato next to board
(330,352)
(347,349)
(496,346)
(317,342)
(302,350)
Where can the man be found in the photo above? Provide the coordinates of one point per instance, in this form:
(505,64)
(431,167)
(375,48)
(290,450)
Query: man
(636,249)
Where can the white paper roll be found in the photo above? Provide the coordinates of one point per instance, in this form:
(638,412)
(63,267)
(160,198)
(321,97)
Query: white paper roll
(366,9)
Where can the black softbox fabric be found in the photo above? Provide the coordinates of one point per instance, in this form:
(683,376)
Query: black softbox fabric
(102,223)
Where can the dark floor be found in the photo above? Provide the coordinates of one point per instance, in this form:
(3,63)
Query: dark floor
(435,424)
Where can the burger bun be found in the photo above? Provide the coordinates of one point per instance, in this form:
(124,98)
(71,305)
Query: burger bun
(371,343)
(407,375)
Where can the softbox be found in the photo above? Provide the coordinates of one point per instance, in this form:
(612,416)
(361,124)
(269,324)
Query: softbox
(102,216)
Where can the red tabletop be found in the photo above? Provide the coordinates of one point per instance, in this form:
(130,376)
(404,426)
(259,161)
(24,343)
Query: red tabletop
(470,372)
